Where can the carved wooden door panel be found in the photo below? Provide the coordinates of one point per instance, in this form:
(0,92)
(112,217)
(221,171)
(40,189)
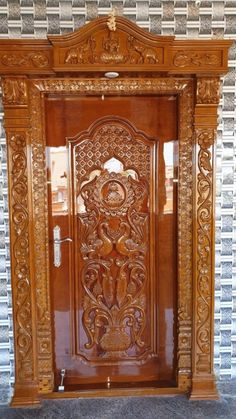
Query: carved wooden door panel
(112,197)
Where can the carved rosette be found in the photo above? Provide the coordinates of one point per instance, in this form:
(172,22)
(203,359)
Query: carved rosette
(205,140)
(208,90)
(14,91)
(20,256)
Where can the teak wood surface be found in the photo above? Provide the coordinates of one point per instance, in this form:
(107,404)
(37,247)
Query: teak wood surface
(38,76)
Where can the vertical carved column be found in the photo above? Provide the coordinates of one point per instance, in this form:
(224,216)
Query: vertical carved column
(203,381)
(15,98)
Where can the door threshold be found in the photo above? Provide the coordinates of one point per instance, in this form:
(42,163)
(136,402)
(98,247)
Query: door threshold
(115,392)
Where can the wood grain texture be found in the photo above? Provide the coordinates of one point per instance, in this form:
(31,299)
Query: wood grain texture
(96,48)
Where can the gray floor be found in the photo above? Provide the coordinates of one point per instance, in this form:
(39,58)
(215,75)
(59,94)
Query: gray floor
(132,408)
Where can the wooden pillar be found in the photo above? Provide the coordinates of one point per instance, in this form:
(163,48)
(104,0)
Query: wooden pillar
(203,380)
(15,99)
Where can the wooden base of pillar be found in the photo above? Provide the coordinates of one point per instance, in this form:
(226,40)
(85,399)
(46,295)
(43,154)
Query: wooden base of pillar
(25,395)
(204,388)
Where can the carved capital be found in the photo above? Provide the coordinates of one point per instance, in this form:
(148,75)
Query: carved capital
(208,90)
(14,91)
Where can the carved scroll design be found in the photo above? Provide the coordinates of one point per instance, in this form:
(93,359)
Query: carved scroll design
(14,91)
(124,86)
(20,254)
(44,341)
(113,236)
(31,59)
(114,274)
(196,59)
(208,90)
(133,87)
(205,139)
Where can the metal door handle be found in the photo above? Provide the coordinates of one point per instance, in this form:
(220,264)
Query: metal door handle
(59,241)
(57,245)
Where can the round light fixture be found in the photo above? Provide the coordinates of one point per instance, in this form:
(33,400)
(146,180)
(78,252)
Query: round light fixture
(111,74)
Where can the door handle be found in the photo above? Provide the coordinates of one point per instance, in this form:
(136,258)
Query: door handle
(57,245)
(59,241)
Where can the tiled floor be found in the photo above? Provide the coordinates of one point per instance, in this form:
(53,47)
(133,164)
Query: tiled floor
(132,408)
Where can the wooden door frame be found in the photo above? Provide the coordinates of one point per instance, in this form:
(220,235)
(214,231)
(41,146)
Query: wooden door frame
(183,68)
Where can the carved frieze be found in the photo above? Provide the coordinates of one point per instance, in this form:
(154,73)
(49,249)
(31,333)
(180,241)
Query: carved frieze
(113,48)
(207,90)
(14,91)
(18,59)
(184,59)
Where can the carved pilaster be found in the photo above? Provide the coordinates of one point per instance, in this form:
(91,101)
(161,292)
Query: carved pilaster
(203,383)
(14,96)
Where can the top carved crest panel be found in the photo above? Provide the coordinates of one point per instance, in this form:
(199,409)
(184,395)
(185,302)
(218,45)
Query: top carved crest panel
(112,43)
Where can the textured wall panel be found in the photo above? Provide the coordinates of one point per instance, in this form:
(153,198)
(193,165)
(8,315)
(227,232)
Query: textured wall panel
(28,18)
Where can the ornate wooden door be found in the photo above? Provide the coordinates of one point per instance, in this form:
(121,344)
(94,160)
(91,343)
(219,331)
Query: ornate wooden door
(112,166)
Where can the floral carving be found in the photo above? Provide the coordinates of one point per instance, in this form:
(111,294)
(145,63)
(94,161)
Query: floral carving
(14,91)
(185,212)
(196,59)
(208,90)
(205,138)
(44,342)
(30,59)
(20,253)
(113,239)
